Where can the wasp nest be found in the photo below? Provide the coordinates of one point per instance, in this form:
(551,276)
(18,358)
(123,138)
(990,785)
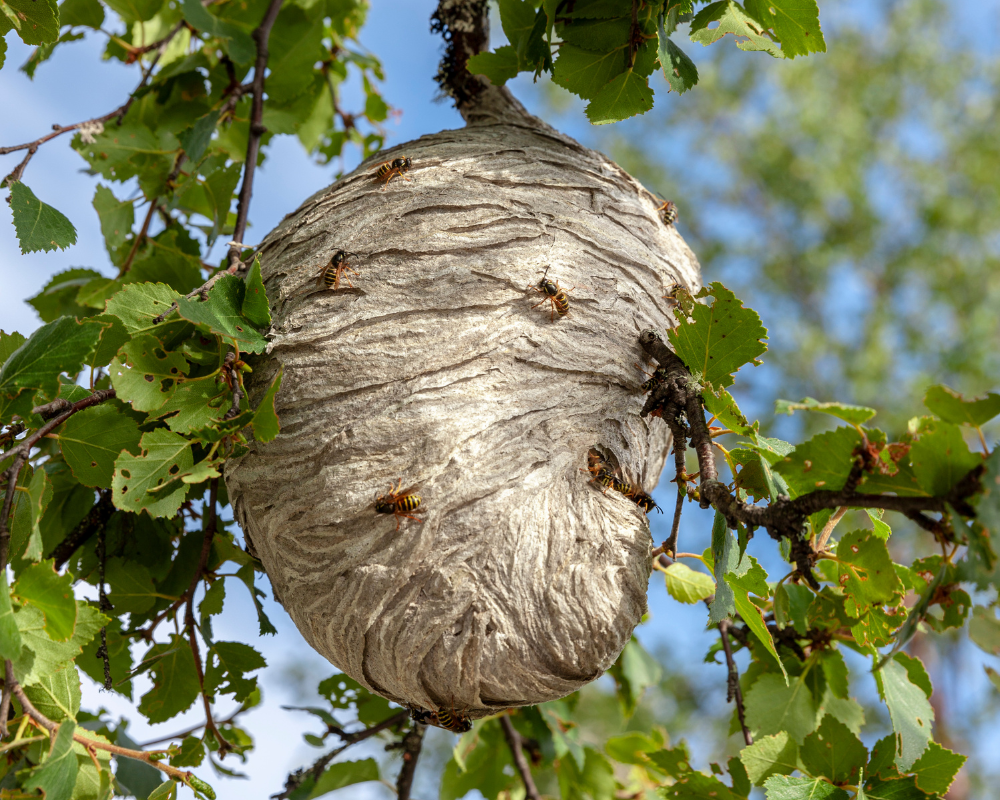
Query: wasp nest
(523,581)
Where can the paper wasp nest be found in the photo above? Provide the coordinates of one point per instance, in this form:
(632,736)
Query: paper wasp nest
(524,581)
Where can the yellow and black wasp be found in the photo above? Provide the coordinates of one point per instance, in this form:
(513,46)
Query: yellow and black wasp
(452,720)
(554,294)
(388,170)
(602,473)
(644,501)
(668,212)
(333,271)
(398,502)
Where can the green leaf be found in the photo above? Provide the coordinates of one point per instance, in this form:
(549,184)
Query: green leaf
(221,314)
(26,534)
(732,20)
(9,342)
(855,415)
(822,462)
(145,374)
(718,339)
(295,45)
(56,775)
(769,755)
(673,761)
(795,23)
(499,66)
(894,788)
(163,456)
(255,307)
(227,664)
(138,779)
(950,406)
(237,42)
(678,68)
(687,585)
(137,304)
(984,629)
(725,560)
(60,346)
(192,753)
(195,405)
(940,457)
(345,773)
(246,574)
(631,748)
(722,406)
(117,218)
(92,439)
(219,188)
(266,425)
(781,787)
(757,477)
(38,225)
(195,140)
(754,580)
(833,752)
(51,593)
(59,297)
(936,769)
(624,96)
(130,585)
(123,151)
(57,695)
(135,10)
(773,707)
(911,713)
(85,13)
(39,20)
(866,572)
(635,671)
(791,602)
(10,636)
(586,72)
(41,656)
(175,681)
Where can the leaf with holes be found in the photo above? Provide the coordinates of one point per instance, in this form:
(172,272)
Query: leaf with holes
(732,20)
(137,304)
(866,572)
(92,439)
(222,314)
(145,374)
(718,339)
(163,456)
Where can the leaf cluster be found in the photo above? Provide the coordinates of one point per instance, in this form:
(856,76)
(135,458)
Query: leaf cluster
(604,51)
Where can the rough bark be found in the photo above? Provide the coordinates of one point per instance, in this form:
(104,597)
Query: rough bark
(524,581)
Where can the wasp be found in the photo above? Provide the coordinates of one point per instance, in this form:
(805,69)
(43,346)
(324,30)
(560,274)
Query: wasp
(398,503)
(388,170)
(655,378)
(336,268)
(601,472)
(453,721)
(554,294)
(624,487)
(668,212)
(644,501)
(421,716)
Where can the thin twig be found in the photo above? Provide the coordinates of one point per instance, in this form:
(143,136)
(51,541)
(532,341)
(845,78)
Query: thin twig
(234,383)
(297,778)
(90,744)
(127,263)
(206,549)
(411,745)
(5,701)
(824,535)
(95,521)
(59,130)
(105,606)
(12,473)
(194,729)
(515,743)
(260,35)
(733,681)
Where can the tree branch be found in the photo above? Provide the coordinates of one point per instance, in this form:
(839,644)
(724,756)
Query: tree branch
(297,778)
(90,744)
(733,680)
(411,745)
(515,743)
(679,395)
(94,522)
(257,129)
